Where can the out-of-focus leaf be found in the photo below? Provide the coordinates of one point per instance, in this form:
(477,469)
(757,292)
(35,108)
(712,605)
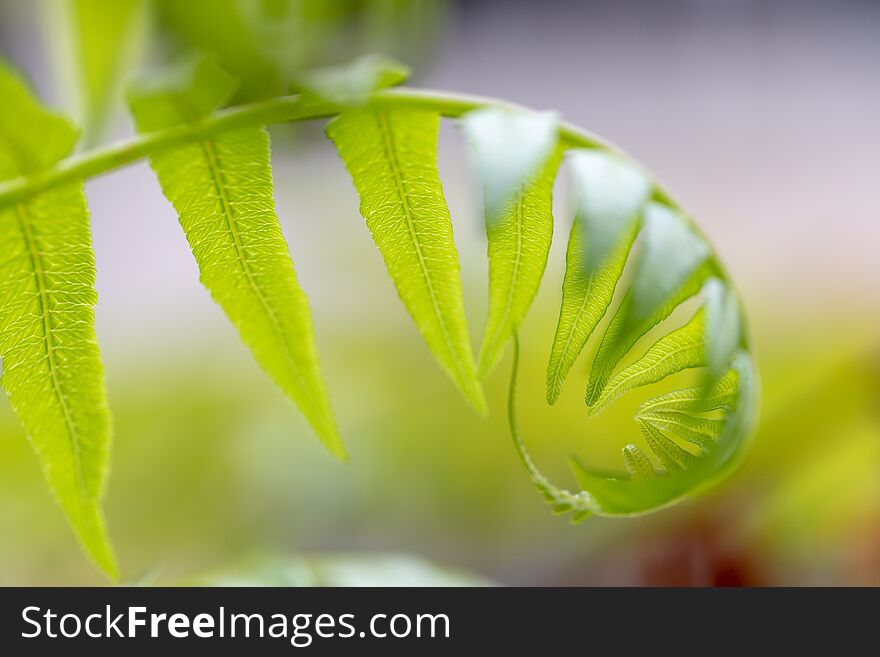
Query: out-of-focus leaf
(340,570)
(352,83)
(221,188)
(723,324)
(52,367)
(99,42)
(219,27)
(509,149)
(392,158)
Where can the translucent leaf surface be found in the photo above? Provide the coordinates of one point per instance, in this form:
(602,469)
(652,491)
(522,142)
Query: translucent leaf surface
(517,159)
(391,156)
(352,83)
(673,264)
(682,473)
(222,190)
(98,42)
(52,367)
(681,349)
(612,195)
(724,333)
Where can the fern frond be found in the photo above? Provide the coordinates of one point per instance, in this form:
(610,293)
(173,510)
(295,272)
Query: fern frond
(353,83)
(721,395)
(391,156)
(214,167)
(673,264)
(222,190)
(52,367)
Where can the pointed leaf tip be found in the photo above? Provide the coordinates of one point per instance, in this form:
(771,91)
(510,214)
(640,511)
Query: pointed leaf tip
(391,156)
(52,368)
(222,189)
(611,198)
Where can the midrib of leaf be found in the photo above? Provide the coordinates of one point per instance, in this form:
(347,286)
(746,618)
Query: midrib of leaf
(390,149)
(517,261)
(219,181)
(571,329)
(610,394)
(45,313)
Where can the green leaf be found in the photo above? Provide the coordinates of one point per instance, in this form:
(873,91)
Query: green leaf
(392,158)
(100,41)
(671,456)
(612,195)
(222,27)
(509,149)
(637,464)
(221,188)
(184,93)
(52,367)
(352,83)
(686,474)
(723,324)
(517,159)
(695,429)
(721,395)
(672,267)
(683,348)
(33,138)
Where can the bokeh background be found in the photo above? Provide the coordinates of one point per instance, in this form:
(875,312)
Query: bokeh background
(760,116)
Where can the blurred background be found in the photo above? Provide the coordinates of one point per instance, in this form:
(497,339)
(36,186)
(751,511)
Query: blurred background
(760,117)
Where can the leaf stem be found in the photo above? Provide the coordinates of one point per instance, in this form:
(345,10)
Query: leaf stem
(284,109)
(563,501)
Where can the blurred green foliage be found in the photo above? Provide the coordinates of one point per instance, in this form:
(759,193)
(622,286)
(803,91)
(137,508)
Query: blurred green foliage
(212,467)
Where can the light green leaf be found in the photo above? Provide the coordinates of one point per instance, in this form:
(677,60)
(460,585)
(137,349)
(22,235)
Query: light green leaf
(612,195)
(517,159)
(637,464)
(721,395)
(683,348)
(672,267)
(509,149)
(352,83)
(392,158)
(33,138)
(96,42)
(222,27)
(52,367)
(179,94)
(723,325)
(693,428)
(222,190)
(629,495)
(671,456)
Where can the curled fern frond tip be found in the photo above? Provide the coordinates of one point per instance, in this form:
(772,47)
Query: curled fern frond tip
(694,436)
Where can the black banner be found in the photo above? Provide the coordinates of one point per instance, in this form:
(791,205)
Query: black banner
(432,621)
